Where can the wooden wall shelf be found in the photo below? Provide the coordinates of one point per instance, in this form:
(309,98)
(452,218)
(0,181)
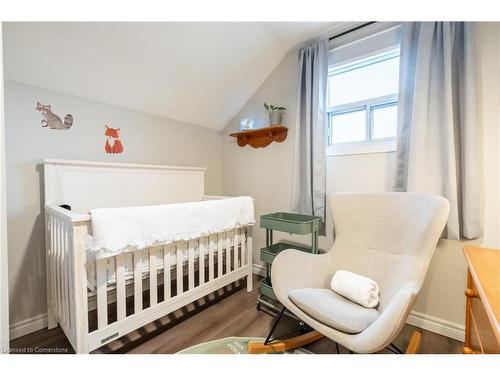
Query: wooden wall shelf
(261,137)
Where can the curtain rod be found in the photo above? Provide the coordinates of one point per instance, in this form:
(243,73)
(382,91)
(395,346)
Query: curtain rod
(351,30)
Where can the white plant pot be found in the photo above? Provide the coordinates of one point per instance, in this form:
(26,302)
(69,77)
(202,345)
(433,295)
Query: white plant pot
(275,118)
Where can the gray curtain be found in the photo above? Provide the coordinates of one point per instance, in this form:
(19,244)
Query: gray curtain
(308,188)
(437,141)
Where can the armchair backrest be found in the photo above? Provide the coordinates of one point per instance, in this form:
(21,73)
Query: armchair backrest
(389,237)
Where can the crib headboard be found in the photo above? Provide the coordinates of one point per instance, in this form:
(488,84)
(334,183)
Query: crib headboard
(89,184)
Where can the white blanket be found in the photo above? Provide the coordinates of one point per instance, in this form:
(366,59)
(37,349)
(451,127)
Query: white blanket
(116,230)
(356,288)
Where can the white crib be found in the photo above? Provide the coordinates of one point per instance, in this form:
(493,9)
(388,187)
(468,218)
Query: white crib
(175,275)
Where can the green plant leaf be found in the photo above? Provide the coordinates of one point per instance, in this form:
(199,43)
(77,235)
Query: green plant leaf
(266,106)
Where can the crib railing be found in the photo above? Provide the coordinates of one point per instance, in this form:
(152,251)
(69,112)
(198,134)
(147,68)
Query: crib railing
(208,258)
(182,272)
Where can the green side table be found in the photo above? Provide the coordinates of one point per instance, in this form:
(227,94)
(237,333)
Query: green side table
(290,223)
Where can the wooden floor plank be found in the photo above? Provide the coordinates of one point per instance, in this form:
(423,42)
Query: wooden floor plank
(227,312)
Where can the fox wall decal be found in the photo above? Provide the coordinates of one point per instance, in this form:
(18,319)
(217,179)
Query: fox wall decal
(113,143)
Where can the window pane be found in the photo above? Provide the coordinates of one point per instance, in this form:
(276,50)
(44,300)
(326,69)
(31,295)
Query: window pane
(385,121)
(348,127)
(364,82)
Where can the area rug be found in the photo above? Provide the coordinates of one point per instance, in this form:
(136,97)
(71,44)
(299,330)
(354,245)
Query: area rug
(230,345)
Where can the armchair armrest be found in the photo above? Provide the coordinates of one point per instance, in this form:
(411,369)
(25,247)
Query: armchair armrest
(293,269)
(392,319)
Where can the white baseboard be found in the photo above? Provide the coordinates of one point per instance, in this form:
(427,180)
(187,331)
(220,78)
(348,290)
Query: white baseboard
(259,270)
(417,319)
(28,326)
(437,325)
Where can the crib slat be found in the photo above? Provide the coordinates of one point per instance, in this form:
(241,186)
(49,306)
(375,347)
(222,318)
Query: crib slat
(53,262)
(61,270)
(191,249)
(166,271)
(178,265)
(137,281)
(64,251)
(71,285)
(220,248)
(56,264)
(48,240)
(236,246)
(111,266)
(68,275)
(153,276)
(228,251)
(201,259)
(121,312)
(211,246)
(243,247)
(102,293)
(58,268)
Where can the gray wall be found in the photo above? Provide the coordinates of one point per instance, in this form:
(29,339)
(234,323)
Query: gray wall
(146,138)
(266,174)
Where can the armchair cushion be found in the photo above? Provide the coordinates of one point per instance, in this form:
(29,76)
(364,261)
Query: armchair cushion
(333,310)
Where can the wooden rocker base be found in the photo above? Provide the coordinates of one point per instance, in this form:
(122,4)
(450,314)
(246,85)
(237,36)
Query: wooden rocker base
(307,338)
(414,343)
(279,346)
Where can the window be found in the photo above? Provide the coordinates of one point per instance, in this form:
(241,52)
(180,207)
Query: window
(363,98)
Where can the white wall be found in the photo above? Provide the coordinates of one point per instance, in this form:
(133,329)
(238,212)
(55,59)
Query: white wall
(265,174)
(146,139)
(4,302)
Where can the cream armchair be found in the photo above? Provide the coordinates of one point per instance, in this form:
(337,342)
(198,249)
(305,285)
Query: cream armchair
(388,237)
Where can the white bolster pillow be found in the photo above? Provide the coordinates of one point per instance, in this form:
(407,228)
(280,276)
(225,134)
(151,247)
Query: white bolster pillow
(356,288)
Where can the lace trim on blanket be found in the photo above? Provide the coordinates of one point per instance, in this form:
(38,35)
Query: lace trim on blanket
(99,251)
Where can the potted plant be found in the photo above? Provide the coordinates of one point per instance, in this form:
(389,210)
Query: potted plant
(275,113)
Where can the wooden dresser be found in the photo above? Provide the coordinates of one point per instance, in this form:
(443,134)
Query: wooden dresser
(482,318)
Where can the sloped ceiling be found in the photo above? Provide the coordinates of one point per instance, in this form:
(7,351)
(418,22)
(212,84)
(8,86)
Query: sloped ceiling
(199,73)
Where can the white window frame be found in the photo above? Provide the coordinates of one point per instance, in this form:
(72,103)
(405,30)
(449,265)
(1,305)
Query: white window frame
(369,145)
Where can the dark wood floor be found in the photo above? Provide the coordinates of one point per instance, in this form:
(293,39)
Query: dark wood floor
(228,312)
